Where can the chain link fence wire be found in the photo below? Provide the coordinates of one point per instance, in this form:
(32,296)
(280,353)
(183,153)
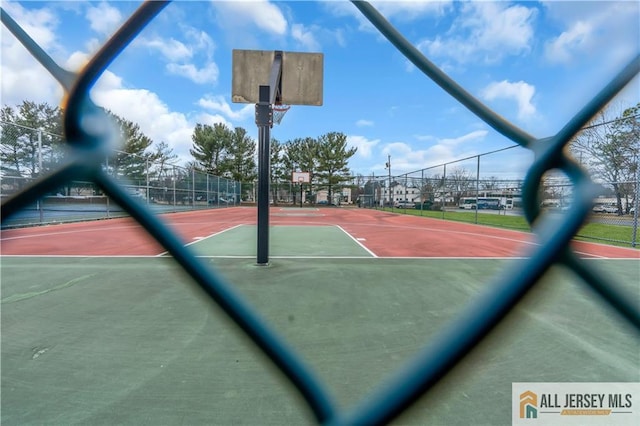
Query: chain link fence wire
(88,134)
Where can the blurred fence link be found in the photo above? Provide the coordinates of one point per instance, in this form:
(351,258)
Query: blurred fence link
(162,186)
(87,136)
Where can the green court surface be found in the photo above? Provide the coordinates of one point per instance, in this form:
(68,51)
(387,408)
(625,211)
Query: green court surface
(131,341)
(290,241)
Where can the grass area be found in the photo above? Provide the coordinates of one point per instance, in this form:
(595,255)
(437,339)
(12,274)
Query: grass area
(610,234)
(617,235)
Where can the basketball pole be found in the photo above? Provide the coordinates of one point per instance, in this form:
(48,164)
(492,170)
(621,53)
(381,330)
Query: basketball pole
(264,121)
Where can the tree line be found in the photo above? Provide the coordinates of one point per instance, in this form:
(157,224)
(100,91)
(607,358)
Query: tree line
(31,144)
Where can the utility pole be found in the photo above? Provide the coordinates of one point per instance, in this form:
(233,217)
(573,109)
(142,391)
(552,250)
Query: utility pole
(388,166)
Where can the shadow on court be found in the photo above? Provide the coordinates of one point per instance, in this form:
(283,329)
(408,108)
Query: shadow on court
(123,340)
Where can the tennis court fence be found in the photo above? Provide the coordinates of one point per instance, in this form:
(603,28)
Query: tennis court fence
(87,140)
(161,186)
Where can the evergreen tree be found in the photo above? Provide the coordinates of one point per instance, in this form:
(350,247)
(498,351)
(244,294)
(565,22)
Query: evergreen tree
(241,161)
(278,171)
(162,155)
(332,160)
(31,133)
(300,155)
(131,160)
(210,147)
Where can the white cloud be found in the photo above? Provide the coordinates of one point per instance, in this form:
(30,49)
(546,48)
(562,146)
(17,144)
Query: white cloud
(476,135)
(520,92)
(484,31)
(207,74)
(21,76)
(608,30)
(364,145)
(364,123)
(411,9)
(305,37)
(192,59)
(404,11)
(147,110)
(218,104)
(39,24)
(407,158)
(104,18)
(260,13)
(563,47)
(171,49)
(140,106)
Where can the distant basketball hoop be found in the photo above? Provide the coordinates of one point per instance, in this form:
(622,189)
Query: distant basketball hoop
(301,177)
(278,112)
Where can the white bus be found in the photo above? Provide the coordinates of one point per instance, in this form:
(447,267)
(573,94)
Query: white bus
(481,203)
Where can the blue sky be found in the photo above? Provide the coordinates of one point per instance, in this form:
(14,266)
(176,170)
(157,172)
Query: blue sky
(536,63)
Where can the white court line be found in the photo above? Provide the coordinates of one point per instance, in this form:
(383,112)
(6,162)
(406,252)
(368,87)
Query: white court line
(356,241)
(81,256)
(202,239)
(75,231)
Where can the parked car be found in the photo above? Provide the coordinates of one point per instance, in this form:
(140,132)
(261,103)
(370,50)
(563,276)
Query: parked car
(602,208)
(404,205)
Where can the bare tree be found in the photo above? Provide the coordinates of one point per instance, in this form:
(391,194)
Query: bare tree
(609,148)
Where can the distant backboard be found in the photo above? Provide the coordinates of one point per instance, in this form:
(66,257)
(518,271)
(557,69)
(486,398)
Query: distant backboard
(301,177)
(302,76)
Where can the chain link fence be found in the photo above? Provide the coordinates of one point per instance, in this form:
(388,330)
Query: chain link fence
(161,186)
(480,190)
(87,140)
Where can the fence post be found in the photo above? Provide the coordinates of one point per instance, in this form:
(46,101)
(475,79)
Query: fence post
(636,203)
(421,193)
(173,180)
(477,186)
(146,165)
(443,194)
(40,211)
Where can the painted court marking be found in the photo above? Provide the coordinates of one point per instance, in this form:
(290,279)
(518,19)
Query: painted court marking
(199,239)
(357,242)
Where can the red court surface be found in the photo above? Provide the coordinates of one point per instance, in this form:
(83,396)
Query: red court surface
(384,234)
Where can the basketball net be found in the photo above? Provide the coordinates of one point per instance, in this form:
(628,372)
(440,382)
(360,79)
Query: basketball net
(278,112)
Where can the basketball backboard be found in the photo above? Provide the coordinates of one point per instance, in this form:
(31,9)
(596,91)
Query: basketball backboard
(301,82)
(301,177)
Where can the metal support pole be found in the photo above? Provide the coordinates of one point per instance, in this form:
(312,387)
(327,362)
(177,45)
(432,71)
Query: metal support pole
(389,167)
(263,121)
